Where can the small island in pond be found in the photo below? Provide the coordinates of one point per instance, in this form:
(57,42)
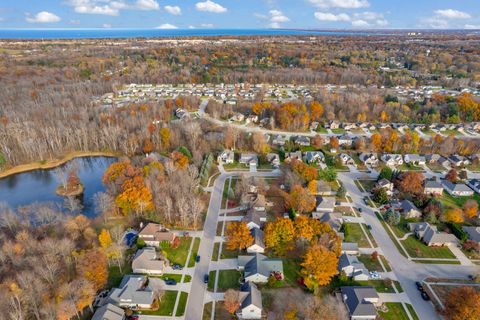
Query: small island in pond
(70,185)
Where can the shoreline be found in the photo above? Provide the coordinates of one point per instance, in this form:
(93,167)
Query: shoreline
(50,164)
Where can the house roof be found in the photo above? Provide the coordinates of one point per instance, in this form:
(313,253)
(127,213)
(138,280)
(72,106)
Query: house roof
(407,205)
(323,186)
(157,231)
(354,298)
(253,296)
(311,155)
(255,216)
(325,203)
(258,237)
(433,184)
(109,312)
(473,233)
(457,187)
(349,246)
(432,235)
(132,291)
(346,260)
(258,263)
(148,259)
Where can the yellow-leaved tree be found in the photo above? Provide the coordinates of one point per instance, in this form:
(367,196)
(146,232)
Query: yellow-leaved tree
(279,236)
(238,236)
(319,266)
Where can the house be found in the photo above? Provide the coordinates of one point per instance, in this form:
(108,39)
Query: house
(386,185)
(432,158)
(109,312)
(324,189)
(251,119)
(474,184)
(409,210)
(249,159)
(369,159)
(257,268)
(352,267)
(180,113)
(238,117)
(361,302)
(334,219)
(279,140)
(258,245)
(153,234)
(227,156)
(392,159)
(333,125)
(325,204)
(350,248)
(255,218)
(273,159)
(148,261)
(314,157)
(290,156)
(414,159)
(250,302)
(433,187)
(133,292)
(302,141)
(431,236)
(345,140)
(457,189)
(314,125)
(458,161)
(473,233)
(346,159)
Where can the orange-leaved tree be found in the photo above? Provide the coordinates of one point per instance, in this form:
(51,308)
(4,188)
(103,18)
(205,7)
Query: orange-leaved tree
(300,200)
(454,215)
(238,236)
(463,304)
(279,235)
(470,208)
(319,266)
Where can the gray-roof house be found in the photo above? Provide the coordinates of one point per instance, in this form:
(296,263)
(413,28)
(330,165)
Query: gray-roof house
(302,141)
(361,302)
(369,159)
(315,157)
(226,156)
(473,233)
(350,248)
(109,312)
(409,210)
(258,268)
(273,159)
(334,219)
(290,156)
(433,187)
(153,234)
(250,302)
(258,245)
(414,159)
(133,292)
(431,236)
(457,189)
(352,267)
(325,204)
(148,261)
(474,184)
(249,159)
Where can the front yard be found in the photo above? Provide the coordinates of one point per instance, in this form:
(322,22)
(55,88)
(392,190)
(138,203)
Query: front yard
(177,255)
(227,279)
(166,305)
(395,311)
(353,233)
(417,249)
(374,264)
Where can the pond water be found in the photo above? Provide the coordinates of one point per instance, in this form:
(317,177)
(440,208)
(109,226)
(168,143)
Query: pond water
(40,185)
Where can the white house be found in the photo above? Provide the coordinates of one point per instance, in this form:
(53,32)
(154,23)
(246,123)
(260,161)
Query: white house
(457,189)
(257,268)
(250,302)
(352,267)
(226,156)
(148,261)
(258,245)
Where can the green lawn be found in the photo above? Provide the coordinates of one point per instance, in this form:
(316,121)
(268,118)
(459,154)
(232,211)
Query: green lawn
(402,227)
(219,228)
(409,167)
(177,255)
(115,276)
(367,184)
(390,234)
(207,311)
(374,264)
(380,286)
(291,272)
(167,303)
(226,254)
(437,261)
(338,131)
(417,249)
(395,312)
(412,311)
(196,244)
(450,201)
(176,277)
(353,233)
(227,279)
(182,303)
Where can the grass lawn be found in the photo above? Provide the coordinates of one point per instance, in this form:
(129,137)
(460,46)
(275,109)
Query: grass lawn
(338,131)
(417,249)
(227,279)
(436,261)
(390,234)
(380,286)
(182,303)
(115,276)
(291,272)
(176,277)
(412,312)
(435,167)
(395,312)
(177,255)
(321,129)
(219,228)
(216,247)
(207,311)
(374,264)
(167,303)
(401,228)
(409,167)
(451,201)
(367,184)
(196,244)
(354,233)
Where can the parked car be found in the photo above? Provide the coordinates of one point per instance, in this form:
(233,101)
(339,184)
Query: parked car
(369,227)
(170,282)
(197,258)
(177,266)
(205,278)
(359,209)
(419,286)
(425,296)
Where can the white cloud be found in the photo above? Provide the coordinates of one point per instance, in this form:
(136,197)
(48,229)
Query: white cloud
(327,16)
(260,16)
(452,14)
(106,25)
(360,23)
(274,25)
(147,5)
(206,25)
(210,6)
(175,10)
(278,16)
(191,27)
(107,7)
(167,26)
(345,4)
(381,22)
(43,17)
(435,23)
(373,18)
(472,26)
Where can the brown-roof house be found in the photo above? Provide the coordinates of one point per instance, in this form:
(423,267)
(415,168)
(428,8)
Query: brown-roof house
(153,234)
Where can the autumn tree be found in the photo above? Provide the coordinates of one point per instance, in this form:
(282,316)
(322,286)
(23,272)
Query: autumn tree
(454,215)
(319,266)
(259,143)
(470,208)
(231,300)
(306,228)
(238,236)
(452,176)
(105,239)
(306,172)
(411,182)
(316,110)
(279,236)
(376,141)
(334,144)
(462,304)
(164,134)
(300,200)
(135,196)
(92,265)
(147,145)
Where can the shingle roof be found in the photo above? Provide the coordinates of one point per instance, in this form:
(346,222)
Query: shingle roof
(148,259)
(473,233)
(253,295)
(260,264)
(132,291)
(354,298)
(109,312)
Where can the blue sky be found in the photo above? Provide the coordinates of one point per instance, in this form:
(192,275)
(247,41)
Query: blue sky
(249,14)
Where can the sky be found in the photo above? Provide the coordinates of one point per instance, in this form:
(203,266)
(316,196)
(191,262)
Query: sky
(241,14)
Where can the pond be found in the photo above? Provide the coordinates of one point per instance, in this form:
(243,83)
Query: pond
(40,185)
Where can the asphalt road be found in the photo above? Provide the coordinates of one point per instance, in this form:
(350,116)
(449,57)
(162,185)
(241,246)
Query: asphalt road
(406,271)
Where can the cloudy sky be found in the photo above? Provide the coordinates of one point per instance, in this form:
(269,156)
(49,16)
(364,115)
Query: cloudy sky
(247,14)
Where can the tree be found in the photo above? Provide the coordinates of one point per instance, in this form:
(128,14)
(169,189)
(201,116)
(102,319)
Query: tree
(92,265)
(327,174)
(135,196)
(105,239)
(341,192)
(334,143)
(411,182)
(306,172)
(376,140)
(316,110)
(392,217)
(300,200)
(380,195)
(147,146)
(238,236)
(452,176)
(462,304)
(260,144)
(279,235)
(386,173)
(2,160)
(470,208)
(164,138)
(454,215)
(319,266)
(231,300)
(306,228)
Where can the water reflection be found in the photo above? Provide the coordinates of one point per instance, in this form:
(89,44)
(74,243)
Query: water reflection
(40,185)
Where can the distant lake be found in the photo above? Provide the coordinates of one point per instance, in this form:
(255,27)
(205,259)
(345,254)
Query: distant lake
(159,33)
(40,185)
